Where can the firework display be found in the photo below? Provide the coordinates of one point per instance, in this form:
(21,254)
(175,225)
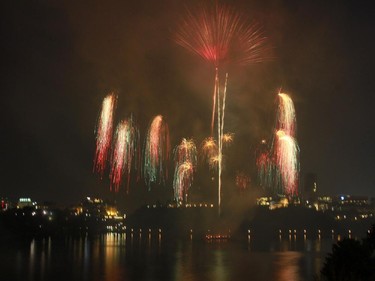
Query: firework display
(119,155)
(286,116)
(182,181)
(287,161)
(185,158)
(208,149)
(104,134)
(221,36)
(125,153)
(278,166)
(156,151)
(227,138)
(186,151)
(286,148)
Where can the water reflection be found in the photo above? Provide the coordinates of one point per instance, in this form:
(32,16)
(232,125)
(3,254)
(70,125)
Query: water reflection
(286,266)
(220,272)
(151,256)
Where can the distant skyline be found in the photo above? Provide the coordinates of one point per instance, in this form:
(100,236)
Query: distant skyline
(60,59)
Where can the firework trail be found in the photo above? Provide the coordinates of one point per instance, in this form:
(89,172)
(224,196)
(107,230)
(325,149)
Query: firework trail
(220,133)
(287,162)
(119,155)
(285,147)
(104,134)
(286,120)
(125,153)
(214,99)
(278,166)
(182,181)
(156,152)
(185,157)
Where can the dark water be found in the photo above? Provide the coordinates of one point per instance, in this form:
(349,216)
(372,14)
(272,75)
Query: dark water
(113,257)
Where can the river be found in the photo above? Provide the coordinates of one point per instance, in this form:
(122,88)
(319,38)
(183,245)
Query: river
(150,256)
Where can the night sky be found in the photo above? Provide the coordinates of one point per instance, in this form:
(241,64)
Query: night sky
(59,59)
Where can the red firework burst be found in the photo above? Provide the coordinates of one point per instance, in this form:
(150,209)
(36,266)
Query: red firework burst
(220,34)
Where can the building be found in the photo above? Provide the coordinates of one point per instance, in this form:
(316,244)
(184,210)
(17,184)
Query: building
(273,203)
(98,215)
(25,202)
(310,189)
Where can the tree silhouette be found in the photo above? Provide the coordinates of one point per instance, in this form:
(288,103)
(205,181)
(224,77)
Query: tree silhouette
(351,260)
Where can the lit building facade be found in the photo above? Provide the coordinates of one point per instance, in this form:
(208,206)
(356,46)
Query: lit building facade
(25,202)
(310,188)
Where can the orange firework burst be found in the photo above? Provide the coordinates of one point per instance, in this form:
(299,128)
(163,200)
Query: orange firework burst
(227,138)
(208,149)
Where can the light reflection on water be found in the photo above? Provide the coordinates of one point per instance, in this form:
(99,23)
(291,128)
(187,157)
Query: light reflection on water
(287,266)
(113,257)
